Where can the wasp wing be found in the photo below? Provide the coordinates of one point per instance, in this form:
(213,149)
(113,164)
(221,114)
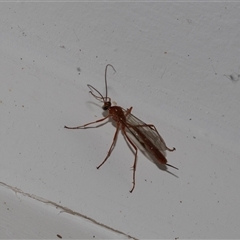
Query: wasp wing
(142,131)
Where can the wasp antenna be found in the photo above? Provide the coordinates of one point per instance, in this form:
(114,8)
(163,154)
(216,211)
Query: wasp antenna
(106,76)
(100,97)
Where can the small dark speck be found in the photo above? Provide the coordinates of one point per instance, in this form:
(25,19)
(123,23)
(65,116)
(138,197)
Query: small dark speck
(62,46)
(194,137)
(190,119)
(78,69)
(180,201)
(59,236)
(96,56)
(93,236)
(233,77)
(20,58)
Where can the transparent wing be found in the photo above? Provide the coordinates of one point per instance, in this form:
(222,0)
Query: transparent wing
(140,130)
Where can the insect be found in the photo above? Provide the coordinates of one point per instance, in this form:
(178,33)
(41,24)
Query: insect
(145,134)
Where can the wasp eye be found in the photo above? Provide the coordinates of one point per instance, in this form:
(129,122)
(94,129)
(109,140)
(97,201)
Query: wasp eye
(106,105)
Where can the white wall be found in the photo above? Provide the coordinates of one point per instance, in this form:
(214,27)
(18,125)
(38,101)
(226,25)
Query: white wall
(177,65)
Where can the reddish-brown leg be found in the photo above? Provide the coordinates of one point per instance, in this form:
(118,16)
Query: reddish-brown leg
(135,159)
(83,126)
(112,146)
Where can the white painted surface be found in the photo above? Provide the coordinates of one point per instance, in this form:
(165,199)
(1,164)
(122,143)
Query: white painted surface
(25,216)
(177,65)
